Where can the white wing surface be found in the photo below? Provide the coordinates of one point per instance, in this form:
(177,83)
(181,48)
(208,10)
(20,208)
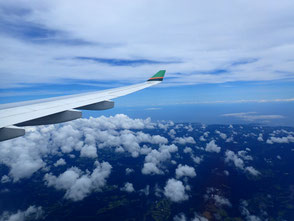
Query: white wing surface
(61,109)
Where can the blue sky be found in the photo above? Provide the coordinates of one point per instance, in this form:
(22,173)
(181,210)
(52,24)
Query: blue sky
(222,58)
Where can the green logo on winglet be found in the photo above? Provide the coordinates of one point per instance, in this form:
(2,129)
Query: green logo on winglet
(158,76)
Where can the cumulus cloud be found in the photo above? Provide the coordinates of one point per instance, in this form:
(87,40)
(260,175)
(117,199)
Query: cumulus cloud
(26,155)
(243,154)
(230,139)
(260,137)
(151,168)
(184,140)
(212,194)
(79,184)
(189,128)
(197,159)
(182,217)
(201,138)
(89,151)
(212,147)
(185,171)
(128,140)
(5,179)
(129,170)
(59,162)
(245,212)
(252,171)
(146,190)
(222,135)
(188,150)
(120,121)
(288,139)
(154,159)
(175,190)
(128,187)
(31,213)
(197,217)
(172,133)
(230,156)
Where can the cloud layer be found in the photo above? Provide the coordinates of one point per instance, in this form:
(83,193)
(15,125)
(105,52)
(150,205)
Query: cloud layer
(200,42)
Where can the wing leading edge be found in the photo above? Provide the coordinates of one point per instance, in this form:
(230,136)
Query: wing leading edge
(62,109)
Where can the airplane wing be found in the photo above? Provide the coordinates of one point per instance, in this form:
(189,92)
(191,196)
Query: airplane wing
(61,109)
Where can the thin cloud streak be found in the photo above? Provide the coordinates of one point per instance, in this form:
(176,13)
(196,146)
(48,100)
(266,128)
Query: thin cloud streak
(252,116)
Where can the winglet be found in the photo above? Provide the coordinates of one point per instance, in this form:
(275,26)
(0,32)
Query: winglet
(158,76)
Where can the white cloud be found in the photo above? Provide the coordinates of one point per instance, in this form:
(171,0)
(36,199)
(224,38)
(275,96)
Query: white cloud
(188,150)
(26,155)
(230,139)
(222,135)
(59,162)
(122,34)
(197,159)
(172,133)
(78,184)
(151,168)
(201,138)
(206,134)
(89,151)
(23,155)
(252,171)
(185,171)
(128,140)
(119,149)
(146,190)
(32,213)
(260,137)
(175,190)
(155,158)
(230,156)
(119,121)
(245,212)
(244,156)
(252,116)
(129,170)
(212,147)
(5,179)
(197,217)
(288,139)
(128,187)
(184,140)
(145,150)
(180,217)
(220,201)
(189,128)
(153,108)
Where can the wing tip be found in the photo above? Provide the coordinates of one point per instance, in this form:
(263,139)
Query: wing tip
(158,76)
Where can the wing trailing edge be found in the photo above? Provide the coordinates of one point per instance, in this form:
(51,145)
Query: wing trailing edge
(62,109)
